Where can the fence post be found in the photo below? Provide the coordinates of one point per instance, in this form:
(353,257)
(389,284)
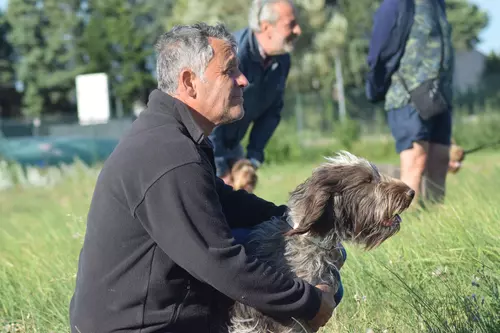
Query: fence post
(299,115)
(340,87)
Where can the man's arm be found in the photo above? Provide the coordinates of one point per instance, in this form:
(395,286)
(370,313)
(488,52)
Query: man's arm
(243,209)
(264,127)
(182,213)
(384,21)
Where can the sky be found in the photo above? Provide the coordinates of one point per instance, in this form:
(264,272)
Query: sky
(488,41)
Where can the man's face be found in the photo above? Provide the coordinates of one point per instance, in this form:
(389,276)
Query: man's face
(221,90)
(285,31)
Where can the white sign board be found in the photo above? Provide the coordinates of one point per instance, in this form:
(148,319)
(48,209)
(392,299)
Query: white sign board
(92,94)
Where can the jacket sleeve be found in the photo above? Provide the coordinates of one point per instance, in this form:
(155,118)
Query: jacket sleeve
(384,21)
(242,209)
(263,128)
(182,213)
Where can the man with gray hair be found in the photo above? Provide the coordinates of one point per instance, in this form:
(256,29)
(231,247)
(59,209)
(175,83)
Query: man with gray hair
(158,254)
(263,53)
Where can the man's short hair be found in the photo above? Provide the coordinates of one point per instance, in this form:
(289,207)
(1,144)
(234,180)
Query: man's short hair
(186,46)
(263,10)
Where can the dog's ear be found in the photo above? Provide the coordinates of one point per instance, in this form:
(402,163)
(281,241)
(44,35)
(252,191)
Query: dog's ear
(311,202)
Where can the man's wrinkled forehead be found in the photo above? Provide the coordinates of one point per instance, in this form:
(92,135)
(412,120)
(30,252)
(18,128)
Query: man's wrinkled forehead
(223,50)
(221,45)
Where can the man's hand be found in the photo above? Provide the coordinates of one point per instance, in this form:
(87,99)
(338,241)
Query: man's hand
(227,178)
(454,166)
(325,310)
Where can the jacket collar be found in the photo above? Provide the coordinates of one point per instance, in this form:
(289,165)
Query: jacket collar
(164,103)
(255,51)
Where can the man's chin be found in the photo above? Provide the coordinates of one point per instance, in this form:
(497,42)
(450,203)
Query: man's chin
(234,114)
(289,47)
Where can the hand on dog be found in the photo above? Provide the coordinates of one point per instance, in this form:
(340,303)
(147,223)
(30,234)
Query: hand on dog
(326,308)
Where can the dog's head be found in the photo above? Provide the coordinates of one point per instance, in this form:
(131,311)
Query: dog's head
(348,198)
(244,175)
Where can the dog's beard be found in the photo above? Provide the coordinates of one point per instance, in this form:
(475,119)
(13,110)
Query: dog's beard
(374,236)
(347,199)
(383,220)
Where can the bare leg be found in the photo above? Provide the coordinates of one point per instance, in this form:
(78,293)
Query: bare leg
(413,162)
(437,169)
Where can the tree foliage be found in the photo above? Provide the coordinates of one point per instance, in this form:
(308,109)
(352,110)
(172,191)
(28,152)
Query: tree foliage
(7,72)
(119,40)
(43,35)
(467,21)
(46,43)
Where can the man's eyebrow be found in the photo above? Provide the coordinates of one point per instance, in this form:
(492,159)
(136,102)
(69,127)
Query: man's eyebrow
(231,62)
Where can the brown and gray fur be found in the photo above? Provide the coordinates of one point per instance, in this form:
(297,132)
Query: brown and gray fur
(345,199)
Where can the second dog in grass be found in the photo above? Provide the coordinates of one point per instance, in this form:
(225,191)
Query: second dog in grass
(244,176)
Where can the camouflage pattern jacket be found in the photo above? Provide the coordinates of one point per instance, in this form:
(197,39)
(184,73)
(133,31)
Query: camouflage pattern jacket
(429,42)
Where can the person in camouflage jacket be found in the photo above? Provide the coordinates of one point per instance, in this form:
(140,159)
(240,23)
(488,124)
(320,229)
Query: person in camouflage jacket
(423,145)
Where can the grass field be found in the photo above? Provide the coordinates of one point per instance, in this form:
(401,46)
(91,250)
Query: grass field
(441,273)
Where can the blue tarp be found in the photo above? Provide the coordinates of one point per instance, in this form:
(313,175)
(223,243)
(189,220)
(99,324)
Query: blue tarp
(52,151)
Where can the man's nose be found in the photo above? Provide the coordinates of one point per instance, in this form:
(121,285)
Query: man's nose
(297,30)
(241,81)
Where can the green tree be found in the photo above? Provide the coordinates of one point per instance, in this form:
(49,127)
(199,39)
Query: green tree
(118,40)
(467,21)
(234,14)
(44,35)
(7,72)
(489,90)
(323,37)
(313,62)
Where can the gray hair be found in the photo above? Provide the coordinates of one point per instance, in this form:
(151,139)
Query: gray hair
(263,10)
(186,46)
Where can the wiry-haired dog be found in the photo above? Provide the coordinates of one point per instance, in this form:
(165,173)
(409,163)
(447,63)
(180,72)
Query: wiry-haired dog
(346,199)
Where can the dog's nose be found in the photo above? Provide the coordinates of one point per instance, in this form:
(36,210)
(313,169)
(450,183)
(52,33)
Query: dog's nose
(410,193)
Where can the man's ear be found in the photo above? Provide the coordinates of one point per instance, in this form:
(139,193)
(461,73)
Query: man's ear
(264,28)
(187,83)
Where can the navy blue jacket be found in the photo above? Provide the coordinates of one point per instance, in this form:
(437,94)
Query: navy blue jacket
(263,99)
(392,23)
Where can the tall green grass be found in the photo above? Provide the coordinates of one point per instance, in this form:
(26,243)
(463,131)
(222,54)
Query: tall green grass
(441,273)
